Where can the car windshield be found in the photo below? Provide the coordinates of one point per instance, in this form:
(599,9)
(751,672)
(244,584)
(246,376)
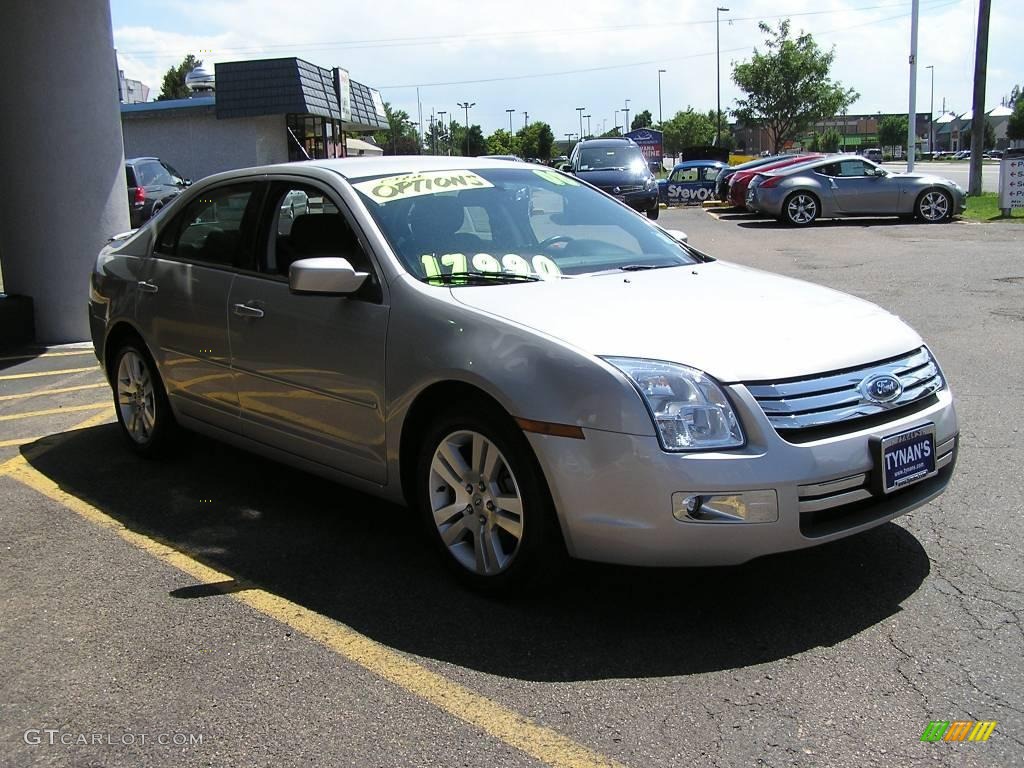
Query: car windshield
(507,224)
(606,158)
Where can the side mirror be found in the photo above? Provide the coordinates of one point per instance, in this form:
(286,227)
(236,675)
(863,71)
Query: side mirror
(188,182)
(565,168)
(677,234)
(325,275)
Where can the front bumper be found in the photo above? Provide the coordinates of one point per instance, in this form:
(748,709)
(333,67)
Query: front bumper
(642,200)
(614,492)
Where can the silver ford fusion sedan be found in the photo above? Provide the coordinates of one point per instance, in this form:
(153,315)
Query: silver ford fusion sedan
(846,185)
(530,365)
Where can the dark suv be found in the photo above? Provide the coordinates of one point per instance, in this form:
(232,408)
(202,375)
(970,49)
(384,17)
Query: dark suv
(618,167)
(152,184)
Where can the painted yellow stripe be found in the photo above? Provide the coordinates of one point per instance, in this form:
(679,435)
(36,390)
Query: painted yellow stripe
(35,374)
(47,354)
(538,741)
(18,441)
(53,411)
(58,391)
(92,421)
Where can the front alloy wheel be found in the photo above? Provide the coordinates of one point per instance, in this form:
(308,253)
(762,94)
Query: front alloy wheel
(801,209)
(476,503)
(136,397)
(934,206)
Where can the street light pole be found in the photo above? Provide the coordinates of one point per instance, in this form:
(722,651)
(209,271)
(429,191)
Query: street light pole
(616,119)
(660,73)
(625,125)
(580,110)
(718,78)
(441,115)
(589,132)
(466,105)
(931,114)
(526,116)
(510,111)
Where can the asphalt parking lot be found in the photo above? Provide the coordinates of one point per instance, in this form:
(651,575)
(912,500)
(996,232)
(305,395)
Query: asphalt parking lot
(220,610)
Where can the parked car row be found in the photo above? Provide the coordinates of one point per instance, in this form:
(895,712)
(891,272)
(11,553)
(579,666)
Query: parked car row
(519,373)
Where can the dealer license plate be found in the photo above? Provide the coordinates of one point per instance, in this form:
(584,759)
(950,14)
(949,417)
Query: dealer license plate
(907,458)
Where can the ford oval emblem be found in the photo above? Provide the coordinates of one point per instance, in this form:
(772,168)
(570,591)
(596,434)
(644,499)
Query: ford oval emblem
(881,388)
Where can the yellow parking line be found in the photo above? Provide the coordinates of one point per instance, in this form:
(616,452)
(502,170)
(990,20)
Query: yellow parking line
(18,441)
(540,742)
(11,376)
(53,411)
(58,391)
(47,354)
(92,421)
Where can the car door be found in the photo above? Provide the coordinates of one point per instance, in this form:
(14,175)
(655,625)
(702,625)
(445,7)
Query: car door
(183,298)
(309,370)
(856,188)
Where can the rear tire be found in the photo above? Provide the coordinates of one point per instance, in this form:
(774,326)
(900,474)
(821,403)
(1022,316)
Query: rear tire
(801,209)
(934,206)
(484,502)
(140,401)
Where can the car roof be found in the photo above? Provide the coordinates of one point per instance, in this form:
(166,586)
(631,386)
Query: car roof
(356,167)
(131,160)
(610,142)
(698,164)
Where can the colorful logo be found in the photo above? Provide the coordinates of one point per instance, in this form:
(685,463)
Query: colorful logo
(958,730)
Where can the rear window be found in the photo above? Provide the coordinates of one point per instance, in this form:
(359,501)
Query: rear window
(130,173)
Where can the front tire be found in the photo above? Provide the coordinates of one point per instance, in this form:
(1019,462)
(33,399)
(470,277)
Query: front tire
(143,412)
(934,206)
(801,209)
(653,213)
(484,501)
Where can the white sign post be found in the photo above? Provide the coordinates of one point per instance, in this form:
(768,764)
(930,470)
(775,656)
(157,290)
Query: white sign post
(1011,181)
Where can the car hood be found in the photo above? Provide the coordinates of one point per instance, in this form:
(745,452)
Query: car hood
(611,178)
(735,323)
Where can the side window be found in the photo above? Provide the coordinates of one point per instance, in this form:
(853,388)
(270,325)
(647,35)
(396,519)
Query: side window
(214,228)
(686,174)
(851,168)
(176,178)
(709,174)
(832,169)
(305,223)
(154,173)
(129,173)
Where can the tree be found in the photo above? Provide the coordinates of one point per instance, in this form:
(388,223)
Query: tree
(641,120)
(788,87)
(814,143)
(725,140)
(536,140)
(401,138)
(501,142)
(614,133)
(1015,126)
(892,131)
(173,86)
(686,129)
(437,140)
(830,140)
(989,136)
(477,143)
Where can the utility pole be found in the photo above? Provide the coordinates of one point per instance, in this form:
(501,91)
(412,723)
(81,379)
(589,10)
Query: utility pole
(660,73)
(616,117)
(978,112)
(433,135)
(931,114)
(580,110)
(718,78)
(625,125)
(526,116)
(912,111)
(510,111)
(589,133)
(466,105)
(441,115)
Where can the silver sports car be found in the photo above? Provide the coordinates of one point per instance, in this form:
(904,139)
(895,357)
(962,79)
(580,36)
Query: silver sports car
(533,367)
(847,185)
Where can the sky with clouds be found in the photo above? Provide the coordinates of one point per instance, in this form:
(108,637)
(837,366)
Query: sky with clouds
(549,58)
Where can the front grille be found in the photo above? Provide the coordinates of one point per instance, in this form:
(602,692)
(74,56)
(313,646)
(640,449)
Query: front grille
(623,188)
(833,403)
(847,502)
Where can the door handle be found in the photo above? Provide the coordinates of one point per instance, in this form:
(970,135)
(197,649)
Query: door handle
(244,310)
(146,287)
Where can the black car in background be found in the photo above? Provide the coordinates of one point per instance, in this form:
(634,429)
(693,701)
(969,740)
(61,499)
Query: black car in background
(722,180)
(152,184)
(618,167)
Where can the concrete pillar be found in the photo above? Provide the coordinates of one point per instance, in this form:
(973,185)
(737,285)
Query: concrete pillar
(62,191)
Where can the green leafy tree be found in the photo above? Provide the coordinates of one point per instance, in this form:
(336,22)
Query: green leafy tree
(536,140)
(173,86)
(501,142)
(814,142)
(892,131)
(477,143)
(830,140)
(726,140)
(401,138)
(437,140)
(788,87)
(614,133)
(642,120)
(1015,126)
(686,129)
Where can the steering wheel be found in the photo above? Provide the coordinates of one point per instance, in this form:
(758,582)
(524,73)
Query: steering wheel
(548,242)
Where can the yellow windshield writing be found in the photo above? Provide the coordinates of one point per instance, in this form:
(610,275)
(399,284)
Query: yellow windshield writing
(384,190)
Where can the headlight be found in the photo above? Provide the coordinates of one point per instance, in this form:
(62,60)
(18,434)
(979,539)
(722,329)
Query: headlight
(651,183)
(689,409)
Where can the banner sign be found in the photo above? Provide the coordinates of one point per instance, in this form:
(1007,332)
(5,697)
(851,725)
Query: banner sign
(650,142)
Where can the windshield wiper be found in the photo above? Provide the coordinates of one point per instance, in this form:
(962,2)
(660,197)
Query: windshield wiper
(481,278)
(640,267)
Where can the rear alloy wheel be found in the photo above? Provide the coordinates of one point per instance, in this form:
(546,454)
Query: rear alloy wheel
(485,504)
(142,409)
(800,209)
(935,206)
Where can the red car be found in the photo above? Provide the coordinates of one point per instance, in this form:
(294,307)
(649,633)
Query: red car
(740,180)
